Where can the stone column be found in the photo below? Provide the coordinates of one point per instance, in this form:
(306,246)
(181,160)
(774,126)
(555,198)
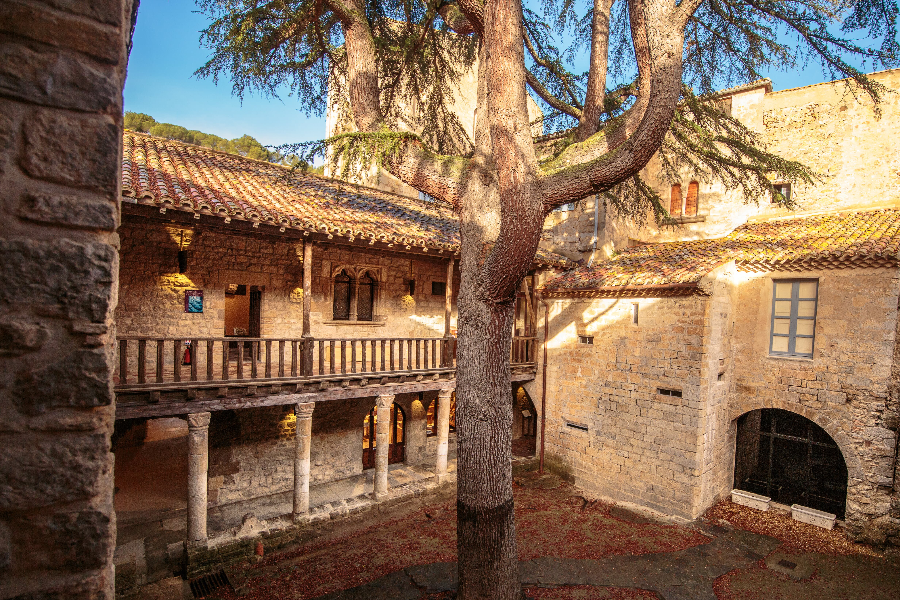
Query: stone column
(304,413)
(382,444)
(354,298)
(198,467)
(443,427)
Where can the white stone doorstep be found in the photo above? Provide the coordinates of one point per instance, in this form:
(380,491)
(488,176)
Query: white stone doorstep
(750,499)
(819,518)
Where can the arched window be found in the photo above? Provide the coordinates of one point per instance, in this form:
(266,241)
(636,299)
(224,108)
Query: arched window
(792,460)
(343,284)
(690,203)
(365,304)
(675,201)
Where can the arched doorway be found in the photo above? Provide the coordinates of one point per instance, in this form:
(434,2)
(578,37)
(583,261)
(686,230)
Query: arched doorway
(396,452)
(792,460)
(524,433)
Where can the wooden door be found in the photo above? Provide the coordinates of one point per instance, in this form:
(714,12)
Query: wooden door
(396,449)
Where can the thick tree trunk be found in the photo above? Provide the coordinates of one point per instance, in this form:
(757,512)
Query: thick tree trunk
(486,537)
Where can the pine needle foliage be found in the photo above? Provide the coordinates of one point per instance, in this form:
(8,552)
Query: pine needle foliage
(267,46)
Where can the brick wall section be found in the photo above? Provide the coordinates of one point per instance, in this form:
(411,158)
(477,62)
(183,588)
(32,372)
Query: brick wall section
(640,446)
(62,67)
(848,388)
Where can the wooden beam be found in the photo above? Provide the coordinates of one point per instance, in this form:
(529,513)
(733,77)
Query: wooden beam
(164,408)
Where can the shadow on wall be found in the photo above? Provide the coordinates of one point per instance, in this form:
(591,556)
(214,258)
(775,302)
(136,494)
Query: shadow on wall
(151,467)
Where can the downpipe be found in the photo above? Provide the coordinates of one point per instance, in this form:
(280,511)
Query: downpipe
(544,383)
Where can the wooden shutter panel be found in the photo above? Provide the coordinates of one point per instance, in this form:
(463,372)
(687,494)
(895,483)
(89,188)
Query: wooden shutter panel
(690,203)
(675,201)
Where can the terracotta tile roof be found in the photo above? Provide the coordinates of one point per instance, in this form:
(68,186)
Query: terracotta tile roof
(168,173)
(833,241)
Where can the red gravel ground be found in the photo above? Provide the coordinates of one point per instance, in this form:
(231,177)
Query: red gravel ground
(551,520)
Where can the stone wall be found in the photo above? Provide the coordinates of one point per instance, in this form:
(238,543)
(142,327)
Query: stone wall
(839,137)
(571,232)
(252,450)
(849,387)
(152,291)
(676,454)
(62,68)
(606,421)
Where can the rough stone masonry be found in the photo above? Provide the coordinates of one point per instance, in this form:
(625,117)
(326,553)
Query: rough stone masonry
(62,69)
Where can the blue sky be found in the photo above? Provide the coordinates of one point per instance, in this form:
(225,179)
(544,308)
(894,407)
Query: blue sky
(161,83)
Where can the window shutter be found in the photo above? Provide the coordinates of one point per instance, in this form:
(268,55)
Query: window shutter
(690,203)
(675,202)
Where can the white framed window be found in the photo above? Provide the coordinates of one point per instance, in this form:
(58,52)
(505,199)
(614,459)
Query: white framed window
(794,304)
(565,207)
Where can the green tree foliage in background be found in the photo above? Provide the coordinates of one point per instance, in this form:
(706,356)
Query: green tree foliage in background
(245,145)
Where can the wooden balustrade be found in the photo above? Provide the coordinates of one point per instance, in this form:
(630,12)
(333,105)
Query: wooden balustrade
(190,362)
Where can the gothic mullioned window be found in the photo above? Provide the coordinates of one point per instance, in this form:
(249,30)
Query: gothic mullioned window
(343,287)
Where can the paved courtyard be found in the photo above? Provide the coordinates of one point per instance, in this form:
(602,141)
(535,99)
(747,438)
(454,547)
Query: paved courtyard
(572,548)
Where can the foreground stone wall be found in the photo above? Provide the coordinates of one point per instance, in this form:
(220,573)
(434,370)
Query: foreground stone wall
(606,421)
(62,68)
(849,387)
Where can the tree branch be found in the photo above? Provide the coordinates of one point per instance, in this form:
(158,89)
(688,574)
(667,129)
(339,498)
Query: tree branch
(549,98)
(596,165)
(594,101)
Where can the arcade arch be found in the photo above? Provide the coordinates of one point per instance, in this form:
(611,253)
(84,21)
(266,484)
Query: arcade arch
(791,459)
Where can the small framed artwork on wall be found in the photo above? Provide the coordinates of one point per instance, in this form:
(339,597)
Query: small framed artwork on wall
(193,301)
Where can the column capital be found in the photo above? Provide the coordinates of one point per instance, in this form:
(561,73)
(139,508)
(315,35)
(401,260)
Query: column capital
(445,393)
(304,410)
(385,400)
(198,420)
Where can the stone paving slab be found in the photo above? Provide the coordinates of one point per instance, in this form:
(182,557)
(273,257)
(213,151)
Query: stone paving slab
(687,574)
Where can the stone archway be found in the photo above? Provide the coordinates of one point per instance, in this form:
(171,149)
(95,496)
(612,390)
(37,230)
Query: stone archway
(397,448)
(791,459)
(524,433)
(827,421)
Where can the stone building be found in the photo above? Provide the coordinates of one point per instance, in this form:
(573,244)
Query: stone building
(262,315)
(713,353)
(841,137)
(61,188)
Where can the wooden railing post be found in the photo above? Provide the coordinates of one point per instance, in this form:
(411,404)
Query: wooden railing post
(123,362)
(374,355)
(142,361)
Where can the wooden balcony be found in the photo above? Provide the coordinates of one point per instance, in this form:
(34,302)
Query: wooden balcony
(167,376)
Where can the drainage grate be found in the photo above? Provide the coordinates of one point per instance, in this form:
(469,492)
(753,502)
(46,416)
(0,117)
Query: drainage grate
(787,564)
(202,587)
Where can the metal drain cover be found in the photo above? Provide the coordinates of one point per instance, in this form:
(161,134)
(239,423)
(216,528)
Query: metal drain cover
(787,564)
(201,587)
